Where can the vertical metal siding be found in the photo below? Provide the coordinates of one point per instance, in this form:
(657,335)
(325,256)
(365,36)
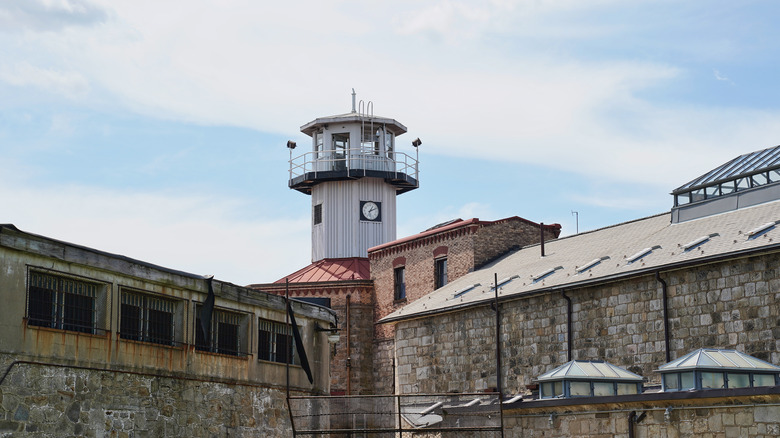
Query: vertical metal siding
(342,233)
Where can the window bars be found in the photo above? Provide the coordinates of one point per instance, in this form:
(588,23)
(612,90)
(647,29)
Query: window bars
(65,303)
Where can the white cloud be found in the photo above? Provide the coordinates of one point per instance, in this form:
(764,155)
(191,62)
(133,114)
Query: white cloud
(275,67)
(190,233)
(66,83)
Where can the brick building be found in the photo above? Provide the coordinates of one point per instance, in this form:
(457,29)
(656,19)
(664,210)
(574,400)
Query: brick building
(410,268)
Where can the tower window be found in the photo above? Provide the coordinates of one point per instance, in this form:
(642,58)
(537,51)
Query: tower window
(440,274)
(317,214)
(399,283)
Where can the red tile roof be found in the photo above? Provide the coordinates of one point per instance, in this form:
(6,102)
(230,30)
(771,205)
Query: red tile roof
(353,268)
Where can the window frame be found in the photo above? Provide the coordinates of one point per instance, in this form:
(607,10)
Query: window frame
(272,332)
(399,287)
(175,339)
(63,314)
(439,274)
(218,333)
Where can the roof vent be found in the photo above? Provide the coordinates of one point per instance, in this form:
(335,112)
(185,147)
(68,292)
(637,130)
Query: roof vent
(465,290)
(641,254)
(756,232)
(591,264)
(698,242)
(546,274)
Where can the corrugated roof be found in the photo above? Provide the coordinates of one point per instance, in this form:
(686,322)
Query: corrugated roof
(352,268)
(708,358)
(617,242)
(589,370)
(742,166)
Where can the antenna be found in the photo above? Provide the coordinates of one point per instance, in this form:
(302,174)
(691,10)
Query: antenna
(576,215)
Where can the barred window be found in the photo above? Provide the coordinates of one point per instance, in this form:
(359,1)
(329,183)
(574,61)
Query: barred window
(148,318)
(65,303)
(275,342)
(227,335)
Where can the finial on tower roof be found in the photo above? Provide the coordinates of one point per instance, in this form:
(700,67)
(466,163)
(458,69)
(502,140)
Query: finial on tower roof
(353,100)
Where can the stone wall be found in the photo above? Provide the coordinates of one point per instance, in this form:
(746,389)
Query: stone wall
(48,401)
(732,304)
(740,418)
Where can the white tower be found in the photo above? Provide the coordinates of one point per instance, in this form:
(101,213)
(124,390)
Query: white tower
(353,174)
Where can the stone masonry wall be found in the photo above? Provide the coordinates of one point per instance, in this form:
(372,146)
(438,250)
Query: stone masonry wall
(53,401)
(731,305)
(744,418)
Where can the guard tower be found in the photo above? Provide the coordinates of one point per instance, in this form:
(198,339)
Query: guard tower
(353,174)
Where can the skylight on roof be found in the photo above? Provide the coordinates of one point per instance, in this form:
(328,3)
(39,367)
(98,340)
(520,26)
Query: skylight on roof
(641,254)
(505,281)
(756,232)
(465,290)
(591,264)
(698,242)
(546,274)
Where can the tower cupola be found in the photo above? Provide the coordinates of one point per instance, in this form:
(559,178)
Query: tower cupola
(353,173)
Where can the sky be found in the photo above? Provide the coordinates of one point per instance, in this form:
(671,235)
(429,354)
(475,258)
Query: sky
(157,130)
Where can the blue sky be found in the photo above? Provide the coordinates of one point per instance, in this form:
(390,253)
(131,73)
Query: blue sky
(157,130)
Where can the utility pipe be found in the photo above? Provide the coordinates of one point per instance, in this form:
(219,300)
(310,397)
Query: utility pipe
(349,350)
(665,299)
(568,325)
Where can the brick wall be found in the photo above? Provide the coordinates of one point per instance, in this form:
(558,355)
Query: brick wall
(730,305)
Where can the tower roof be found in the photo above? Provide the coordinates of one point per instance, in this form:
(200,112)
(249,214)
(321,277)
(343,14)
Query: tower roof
(344,269)
(392,125)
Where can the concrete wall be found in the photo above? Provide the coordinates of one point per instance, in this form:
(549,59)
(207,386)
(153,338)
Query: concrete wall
(731,304)
(103,358)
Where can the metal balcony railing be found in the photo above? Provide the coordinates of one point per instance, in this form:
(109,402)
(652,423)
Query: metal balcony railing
(353,162)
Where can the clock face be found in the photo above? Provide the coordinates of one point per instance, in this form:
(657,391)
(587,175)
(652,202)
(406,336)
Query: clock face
(369,211)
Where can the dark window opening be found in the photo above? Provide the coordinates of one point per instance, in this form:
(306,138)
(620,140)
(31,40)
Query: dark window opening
(440,272)
(399,284)
(275,343)
(147,318)
(225,334)
(317,214)
(61,303)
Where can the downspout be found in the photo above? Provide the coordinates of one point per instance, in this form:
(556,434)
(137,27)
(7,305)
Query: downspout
(568,325)
(541,236)
(349,352)
(665,299)
(631,419)
(498,342)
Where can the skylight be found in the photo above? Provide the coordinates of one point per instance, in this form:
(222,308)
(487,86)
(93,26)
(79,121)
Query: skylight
(465,290)
(546,274)
(756,232)
(641,254)
(591,264)
(698,242)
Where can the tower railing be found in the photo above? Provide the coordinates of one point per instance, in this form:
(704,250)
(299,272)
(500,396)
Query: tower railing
(353,162)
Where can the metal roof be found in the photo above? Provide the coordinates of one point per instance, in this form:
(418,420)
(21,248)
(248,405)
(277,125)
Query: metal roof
(345,269)
(706,358)
(742,166)
(393,125)
(612,245)
(589,370)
